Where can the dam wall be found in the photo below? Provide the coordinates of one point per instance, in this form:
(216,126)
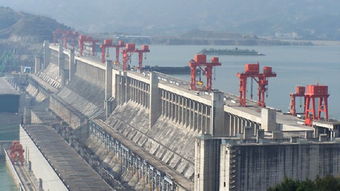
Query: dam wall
(152,110)
(260,166)
(97,77)
(143,125)
(140,106)
(171,97)
(234,164)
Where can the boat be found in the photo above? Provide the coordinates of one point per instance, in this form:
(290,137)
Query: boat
(232,52)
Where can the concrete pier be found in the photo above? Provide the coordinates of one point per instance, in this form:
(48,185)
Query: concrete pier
(71,65)
(217,126)
(108,88)
(155,99)
(268,120)
(37,64)
(207,162)
(46,54)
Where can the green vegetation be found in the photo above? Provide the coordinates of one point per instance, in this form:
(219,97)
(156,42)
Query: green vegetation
(20,26)
(327,183)
(8,62)
(21,35)
(7,17)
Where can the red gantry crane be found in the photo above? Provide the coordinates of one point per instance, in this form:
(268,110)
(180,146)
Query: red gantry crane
(314,92)
(81,43)
(16,152)
(299,92)
(71,37)
(130,48)
(250,71)
(106,44)
(65,36)
(253,71)
(57,35)
(199,61)
(127,52)
(263,83)
(109,44)
(118,46)
(144,49)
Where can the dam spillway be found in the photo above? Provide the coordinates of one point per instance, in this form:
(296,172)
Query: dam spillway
(149,131)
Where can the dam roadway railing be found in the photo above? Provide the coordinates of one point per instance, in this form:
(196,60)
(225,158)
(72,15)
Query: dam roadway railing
(177,103)
(134,161)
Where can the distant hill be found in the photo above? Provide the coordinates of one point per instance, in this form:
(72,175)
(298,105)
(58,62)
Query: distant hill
(203,34)
(21,36)
(20,26)
(301,19)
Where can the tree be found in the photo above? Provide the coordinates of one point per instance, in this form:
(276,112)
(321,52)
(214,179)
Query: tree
(327,183)
(8,62)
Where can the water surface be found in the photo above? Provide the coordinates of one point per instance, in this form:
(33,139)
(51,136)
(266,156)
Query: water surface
(294,65)
(6,181)
(9,130)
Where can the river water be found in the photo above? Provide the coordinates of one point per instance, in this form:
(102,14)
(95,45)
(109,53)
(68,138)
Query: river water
(6,181)
(294,65)
(9,130)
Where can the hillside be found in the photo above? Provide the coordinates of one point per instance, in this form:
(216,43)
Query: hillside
(302,19)
(24,27)
(21,36)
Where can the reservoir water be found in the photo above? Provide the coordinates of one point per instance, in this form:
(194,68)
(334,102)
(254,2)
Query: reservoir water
(294,65)
(9,130)
(6,181)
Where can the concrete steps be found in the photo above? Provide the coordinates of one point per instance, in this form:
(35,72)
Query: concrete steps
(167,141)
(51,75)
(128,176)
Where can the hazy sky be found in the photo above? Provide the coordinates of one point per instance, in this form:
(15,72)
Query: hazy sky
(150,16)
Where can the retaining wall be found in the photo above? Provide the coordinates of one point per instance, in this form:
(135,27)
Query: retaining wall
(40,166)
(257,167)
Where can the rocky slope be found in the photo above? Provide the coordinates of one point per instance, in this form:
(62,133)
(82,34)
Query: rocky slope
(20,26)
(21,35)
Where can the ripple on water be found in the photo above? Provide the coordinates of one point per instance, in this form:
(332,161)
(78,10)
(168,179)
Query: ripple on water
(6,181)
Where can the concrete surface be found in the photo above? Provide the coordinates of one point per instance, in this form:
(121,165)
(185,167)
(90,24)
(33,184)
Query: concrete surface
(157,114)
(59,166)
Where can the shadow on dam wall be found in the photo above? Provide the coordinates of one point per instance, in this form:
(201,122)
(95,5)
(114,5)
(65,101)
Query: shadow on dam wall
(9,117)
(9,103)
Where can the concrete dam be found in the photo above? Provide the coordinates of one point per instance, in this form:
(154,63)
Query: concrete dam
(147,131)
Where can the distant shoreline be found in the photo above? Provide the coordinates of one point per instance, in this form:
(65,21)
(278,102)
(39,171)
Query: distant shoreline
(213,41)
(315,42)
